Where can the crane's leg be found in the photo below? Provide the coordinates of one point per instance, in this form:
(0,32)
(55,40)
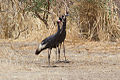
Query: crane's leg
(49,52)
(56,53)
(64,51)
(59,52)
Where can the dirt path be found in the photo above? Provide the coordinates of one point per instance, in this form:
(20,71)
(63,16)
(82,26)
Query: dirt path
(88,61)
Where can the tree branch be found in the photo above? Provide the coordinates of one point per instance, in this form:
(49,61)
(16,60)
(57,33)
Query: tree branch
(21,32)
(45,22)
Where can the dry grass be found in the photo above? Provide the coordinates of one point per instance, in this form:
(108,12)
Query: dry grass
(97,19)
(89,19)
(88,60)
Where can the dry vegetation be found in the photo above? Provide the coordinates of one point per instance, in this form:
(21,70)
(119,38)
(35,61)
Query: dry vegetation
(89,20)
(97,20)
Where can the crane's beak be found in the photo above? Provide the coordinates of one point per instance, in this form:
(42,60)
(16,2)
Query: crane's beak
(67,14)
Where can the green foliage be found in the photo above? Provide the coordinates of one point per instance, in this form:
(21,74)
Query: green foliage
(40,9)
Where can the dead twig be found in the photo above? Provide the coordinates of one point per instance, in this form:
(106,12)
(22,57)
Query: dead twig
(20,33)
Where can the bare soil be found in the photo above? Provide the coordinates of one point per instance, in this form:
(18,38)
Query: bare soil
(87,61)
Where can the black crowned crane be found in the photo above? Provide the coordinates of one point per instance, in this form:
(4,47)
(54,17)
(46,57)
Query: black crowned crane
(62,35)
(49,42)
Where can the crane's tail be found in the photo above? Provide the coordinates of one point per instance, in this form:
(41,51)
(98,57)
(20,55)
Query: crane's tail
(40,48)
(37,51)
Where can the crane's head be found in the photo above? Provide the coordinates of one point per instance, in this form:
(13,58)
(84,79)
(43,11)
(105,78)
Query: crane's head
(59,20)
(65,15)
(63,18)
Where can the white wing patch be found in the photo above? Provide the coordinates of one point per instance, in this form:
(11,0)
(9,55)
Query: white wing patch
(41,46)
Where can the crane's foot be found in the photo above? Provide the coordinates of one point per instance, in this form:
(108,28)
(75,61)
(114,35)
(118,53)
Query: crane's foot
(49,66)
(66,61)
(58,61)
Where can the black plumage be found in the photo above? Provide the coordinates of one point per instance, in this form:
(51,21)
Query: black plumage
(63,30)
(62,36)
(50,42)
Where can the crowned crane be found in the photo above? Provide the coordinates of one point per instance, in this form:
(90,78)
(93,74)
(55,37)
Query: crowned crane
(50,42)
(62,35)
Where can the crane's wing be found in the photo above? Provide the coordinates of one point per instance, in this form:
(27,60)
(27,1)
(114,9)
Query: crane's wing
(47,40)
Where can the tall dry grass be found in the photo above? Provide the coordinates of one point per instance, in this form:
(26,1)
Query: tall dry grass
(96,19)
(89,19)
(14,21)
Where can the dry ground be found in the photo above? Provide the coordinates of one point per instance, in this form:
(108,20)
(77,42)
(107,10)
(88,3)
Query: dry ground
(88,61)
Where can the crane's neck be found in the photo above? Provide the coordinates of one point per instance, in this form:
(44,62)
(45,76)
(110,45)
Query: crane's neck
(58,27)
(64,24)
